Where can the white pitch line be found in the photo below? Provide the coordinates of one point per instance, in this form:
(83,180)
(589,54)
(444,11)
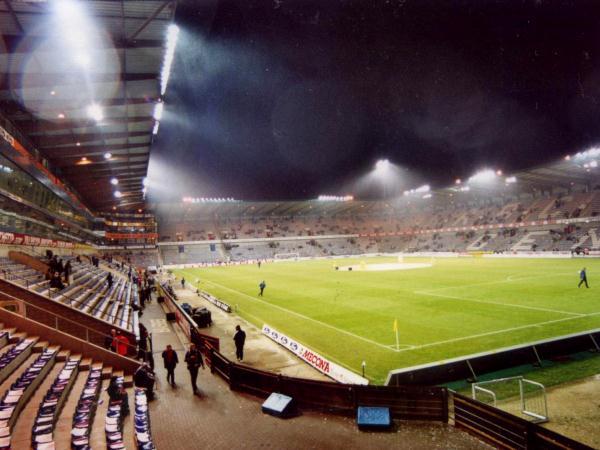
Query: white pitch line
(508,279)
(513,305)
(305,317)
(490,333)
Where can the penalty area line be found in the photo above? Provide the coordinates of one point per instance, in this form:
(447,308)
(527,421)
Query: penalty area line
(339,330)
(491,333)
(512,305)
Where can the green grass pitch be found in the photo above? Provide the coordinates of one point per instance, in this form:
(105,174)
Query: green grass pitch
(456,307)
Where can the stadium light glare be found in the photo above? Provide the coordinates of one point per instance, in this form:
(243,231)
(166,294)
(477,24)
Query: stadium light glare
(145,181)
(155,129)
(107,155)
(94,112)
(118,194)
(158,110)
(424,188)
(594,164)
(568,158)
(483,176)
(427,196)
(61,116)
(457,181)
(114,181)
(382,165)
(78,144)
(165,73)
(335,198)
(511,180)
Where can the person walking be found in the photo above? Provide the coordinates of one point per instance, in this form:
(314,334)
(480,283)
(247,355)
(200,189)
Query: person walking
(194,361)
(109,280)
(583,278)
(239,338)
(262,287)
(183,283)
(171,360)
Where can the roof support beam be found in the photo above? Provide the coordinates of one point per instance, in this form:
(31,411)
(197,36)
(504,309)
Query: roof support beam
(52,141)
(156,12)
(70,79)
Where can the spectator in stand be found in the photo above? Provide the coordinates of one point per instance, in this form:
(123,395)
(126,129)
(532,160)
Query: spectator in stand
(109,341)
(59,266)
(68,272)
(118,393)
(121,343)
(239,338)
(56,282)
(194,361)
(170,360)
(583,278)
(109,280)
(143,344)
(144,377)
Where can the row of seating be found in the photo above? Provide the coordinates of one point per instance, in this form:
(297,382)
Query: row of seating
(48,400)
(86,410)
(113,425)
(17,396)
(143,436)
(42,434)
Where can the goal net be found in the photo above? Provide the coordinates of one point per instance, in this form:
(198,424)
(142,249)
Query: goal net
(516,395)
(286,255)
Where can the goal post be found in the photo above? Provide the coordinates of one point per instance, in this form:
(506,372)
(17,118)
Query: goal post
(284,256)
(516,395)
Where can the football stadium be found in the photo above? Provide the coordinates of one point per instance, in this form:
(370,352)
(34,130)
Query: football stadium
(299,224)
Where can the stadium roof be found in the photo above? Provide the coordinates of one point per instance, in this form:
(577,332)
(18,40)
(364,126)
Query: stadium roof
(48,97)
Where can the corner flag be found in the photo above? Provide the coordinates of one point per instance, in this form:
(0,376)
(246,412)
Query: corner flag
(395,325)
(396,331)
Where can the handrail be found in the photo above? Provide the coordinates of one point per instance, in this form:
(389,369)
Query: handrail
(56,317)
(73,302)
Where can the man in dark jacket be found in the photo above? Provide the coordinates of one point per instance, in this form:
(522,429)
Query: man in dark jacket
(171,360)
(239,338)
(144,378)
(583,278)
(194,361)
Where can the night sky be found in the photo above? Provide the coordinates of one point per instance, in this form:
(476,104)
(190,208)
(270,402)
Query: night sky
(282,99)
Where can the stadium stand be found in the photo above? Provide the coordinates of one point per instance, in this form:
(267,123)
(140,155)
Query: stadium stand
(45,388)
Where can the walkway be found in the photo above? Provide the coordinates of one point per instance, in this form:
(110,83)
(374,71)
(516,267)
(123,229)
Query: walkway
(222,419)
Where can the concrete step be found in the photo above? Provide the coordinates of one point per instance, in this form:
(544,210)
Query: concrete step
(85,364)
(128,381)
(64,424)
(63,355)
(40,346)
(107,372)
(16,337)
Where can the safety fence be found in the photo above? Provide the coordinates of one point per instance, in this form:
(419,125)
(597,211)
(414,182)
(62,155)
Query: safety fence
(505,430)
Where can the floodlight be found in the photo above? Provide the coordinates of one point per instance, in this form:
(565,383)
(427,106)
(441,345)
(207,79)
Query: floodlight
(95,112)
(427,196)
(424,188)
(107,155)
(483,176)
(155,129)
(510,180)
(382,164)
(145,181)
(172,33)
(594,164)
(118,194)
(114,181)
(158,110)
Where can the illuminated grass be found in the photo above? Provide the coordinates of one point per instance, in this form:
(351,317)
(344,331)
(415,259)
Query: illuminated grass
(457,307)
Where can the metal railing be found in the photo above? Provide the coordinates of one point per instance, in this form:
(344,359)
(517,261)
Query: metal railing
(59,323)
